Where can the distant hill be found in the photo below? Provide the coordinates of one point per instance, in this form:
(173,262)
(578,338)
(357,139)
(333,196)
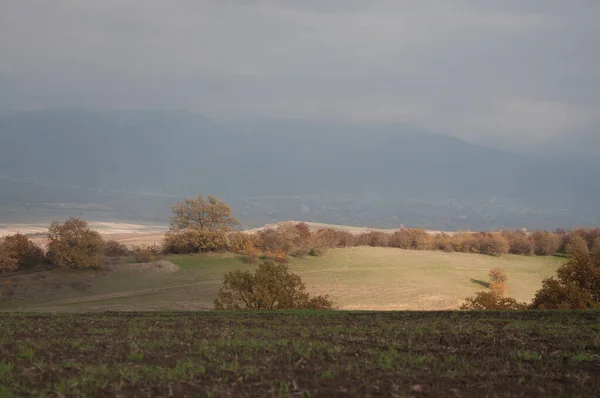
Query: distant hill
(183,154)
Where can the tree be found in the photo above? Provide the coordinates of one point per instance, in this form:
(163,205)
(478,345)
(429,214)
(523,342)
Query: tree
(577,282)
(493,300)
(199,225)
(519,242)
(271,286)
(545,243)
(498,280)
(212,215)
(73,244)
(7,262)
(493,244)
(19,247)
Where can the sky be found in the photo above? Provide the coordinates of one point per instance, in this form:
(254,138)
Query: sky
(502,73)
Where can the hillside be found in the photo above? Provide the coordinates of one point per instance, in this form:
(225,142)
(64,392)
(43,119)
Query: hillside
(364,278)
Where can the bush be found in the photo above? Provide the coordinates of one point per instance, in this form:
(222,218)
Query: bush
(7,262)
(278,256)
(491,301)
(112,248)
(73,244)
(545,243)
(144,256)
(493,244)
(374,239)
(271,286)
(251,252)
(20,248)
(411,238)
(577,282)
(519,242)
(273,240)
(186,241)
(498,280)
(465,242)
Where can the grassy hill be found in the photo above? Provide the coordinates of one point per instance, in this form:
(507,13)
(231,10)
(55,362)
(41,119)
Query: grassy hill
(364,278)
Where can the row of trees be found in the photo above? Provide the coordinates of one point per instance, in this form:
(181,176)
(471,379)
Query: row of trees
(204,224)
(72,244)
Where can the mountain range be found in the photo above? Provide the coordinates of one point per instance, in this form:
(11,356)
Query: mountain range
(184,154)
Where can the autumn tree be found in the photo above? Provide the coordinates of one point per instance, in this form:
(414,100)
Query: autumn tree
(199,225)
(73,244)
(24,251)
(577,282)
(545,243)
(7,262)
(200,214)
(498,280)
(518,242)
(271,286)
(411,238)
(494,300)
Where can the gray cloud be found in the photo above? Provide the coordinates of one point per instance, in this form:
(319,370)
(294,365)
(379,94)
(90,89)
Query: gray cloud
(489,71)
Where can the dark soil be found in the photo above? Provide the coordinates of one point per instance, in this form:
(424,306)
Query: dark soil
(313,354)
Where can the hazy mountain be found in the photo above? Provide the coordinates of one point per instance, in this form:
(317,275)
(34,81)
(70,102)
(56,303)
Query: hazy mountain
(187,153)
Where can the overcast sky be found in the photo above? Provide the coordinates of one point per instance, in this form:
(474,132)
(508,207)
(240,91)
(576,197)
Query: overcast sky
(495,72)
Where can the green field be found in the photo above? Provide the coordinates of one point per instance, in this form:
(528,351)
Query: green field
(363,278)
(310,354)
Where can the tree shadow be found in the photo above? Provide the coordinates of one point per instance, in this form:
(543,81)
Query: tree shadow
(480,282)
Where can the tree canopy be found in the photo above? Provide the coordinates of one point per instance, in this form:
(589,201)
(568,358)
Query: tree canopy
(206,215)
(73,244)
(271,286)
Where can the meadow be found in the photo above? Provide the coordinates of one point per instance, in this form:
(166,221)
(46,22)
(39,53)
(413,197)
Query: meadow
(310,354)
(356,278)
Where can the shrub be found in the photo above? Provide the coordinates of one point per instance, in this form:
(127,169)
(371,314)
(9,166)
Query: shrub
(272,240)
(304,234)
(194,241)
(545,243)
(278,256)
(237,241)
(466,242)
(493,244)
(19,247)
(251,252)
(374,239)
(518,242)
(577,282)
(112,248)
(498,280)
(144,256)
(411,238)
(491,301)
(7,262)
(271,286)
(73,244)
